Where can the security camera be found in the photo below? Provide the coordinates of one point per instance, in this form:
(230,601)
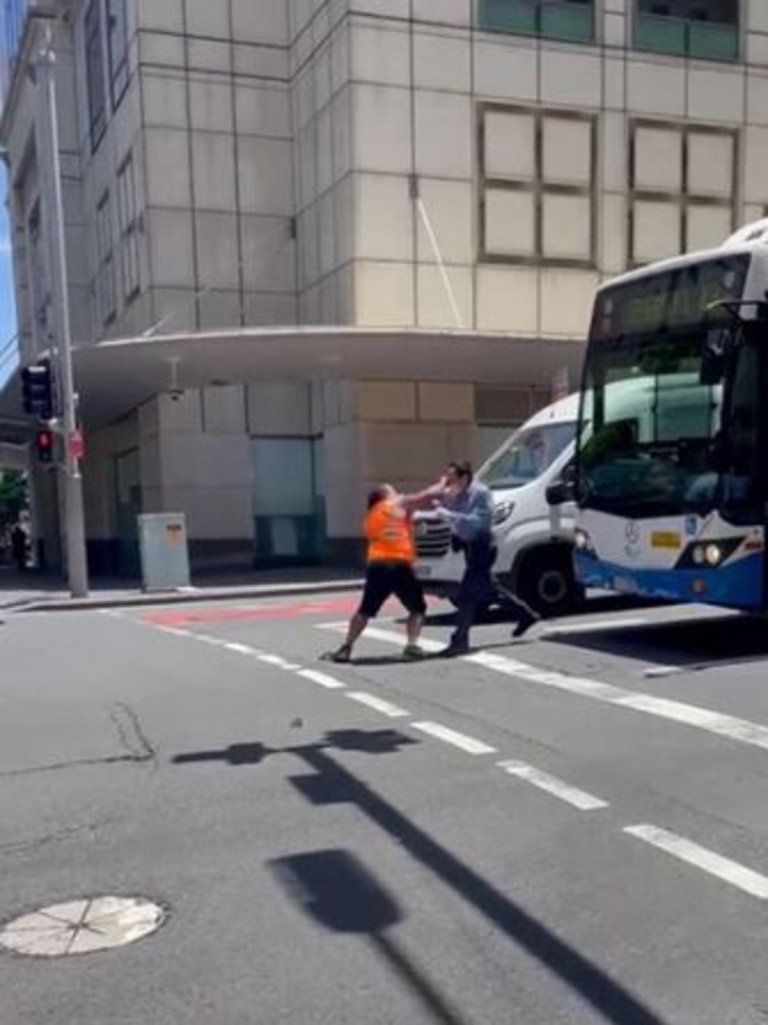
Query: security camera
(175,394)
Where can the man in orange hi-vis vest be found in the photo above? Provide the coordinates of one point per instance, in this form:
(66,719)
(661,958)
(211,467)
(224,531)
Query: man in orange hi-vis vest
(391,555)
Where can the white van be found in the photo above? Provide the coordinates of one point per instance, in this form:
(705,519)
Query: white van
(534,539)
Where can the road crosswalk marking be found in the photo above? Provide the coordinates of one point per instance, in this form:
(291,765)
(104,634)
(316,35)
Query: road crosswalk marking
(741,730)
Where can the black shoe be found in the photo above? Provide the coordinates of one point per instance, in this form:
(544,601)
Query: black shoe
(525,623)
(455,650)
(342,655)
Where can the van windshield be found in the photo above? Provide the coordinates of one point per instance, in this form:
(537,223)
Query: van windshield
(527,454)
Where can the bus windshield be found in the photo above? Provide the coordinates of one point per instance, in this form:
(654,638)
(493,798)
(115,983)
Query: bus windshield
(527,454)
(652,404)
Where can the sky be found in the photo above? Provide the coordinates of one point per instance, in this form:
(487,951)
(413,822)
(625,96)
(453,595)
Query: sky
(7,310)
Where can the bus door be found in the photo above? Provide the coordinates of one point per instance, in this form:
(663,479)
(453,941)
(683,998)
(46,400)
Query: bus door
(744,450)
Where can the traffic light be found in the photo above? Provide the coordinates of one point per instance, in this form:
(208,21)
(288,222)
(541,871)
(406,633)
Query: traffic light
(44,444)
(37,390)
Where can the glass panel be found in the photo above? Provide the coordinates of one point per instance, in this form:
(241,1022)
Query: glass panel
(529,453)
(657,401)
(277,492)
(713,42)
(743,464)
(567,21)
(94,70)
(659,34)
(117,49)
(509,15)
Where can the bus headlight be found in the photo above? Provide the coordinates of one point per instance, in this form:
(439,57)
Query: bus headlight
(583,542)
(713,554)
(698,555)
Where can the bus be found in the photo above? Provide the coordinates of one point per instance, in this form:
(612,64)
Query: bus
(671,470)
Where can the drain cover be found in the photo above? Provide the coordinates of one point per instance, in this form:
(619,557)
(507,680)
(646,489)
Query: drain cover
(82,926)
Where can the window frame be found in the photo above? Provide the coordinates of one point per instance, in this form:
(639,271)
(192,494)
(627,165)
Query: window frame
(128,222)
(538,31)
(538,187)
(685,22)
(106,293)
(683,200)
(95,81)
(119,73)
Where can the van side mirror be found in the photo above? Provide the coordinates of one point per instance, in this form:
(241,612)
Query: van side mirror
(558,492)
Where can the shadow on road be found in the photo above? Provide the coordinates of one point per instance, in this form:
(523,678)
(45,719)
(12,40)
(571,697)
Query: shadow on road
(684,643)
(363,907)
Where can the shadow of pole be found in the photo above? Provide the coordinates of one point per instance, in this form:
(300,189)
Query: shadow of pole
(596,987)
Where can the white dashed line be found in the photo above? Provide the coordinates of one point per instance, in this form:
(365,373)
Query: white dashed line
(241,649)
(714,864)
(578,798)
(592,627)
(273,660)
(731,727)
(206,639)
(385,707)
(176,631)
(460,740)
(322,678)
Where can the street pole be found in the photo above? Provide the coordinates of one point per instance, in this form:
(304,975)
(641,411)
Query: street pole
(77,563)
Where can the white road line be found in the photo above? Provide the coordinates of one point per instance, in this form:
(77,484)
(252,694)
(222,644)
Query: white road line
(592,627)
(385,707)
(322,678)
(578,798)
(715,864)
(273,660)
(741,730)
(175,631)
(206,639)
(241,649)
(460,740)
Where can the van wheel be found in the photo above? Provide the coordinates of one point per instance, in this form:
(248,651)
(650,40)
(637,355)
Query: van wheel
(546,582)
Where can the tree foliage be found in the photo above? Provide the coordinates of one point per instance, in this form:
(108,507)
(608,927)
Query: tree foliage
(13,496)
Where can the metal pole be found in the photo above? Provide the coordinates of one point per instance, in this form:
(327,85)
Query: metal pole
(77,563)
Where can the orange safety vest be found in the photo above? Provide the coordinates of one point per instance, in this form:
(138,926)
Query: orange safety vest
(389,533)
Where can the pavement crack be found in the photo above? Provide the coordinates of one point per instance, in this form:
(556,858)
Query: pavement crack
(32,844)
(131,734)
(132,739)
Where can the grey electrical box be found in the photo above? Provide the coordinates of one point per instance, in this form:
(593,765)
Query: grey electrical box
(164,551)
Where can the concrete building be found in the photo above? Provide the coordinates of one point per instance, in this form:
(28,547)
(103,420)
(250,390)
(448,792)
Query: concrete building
(317,243)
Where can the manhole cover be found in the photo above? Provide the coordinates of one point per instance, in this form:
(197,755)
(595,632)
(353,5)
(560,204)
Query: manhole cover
(82,926)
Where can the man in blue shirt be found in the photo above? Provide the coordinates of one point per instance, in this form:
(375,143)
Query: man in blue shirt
(467,506)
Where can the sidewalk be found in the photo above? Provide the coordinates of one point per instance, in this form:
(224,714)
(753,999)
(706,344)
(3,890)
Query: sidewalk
(32,592)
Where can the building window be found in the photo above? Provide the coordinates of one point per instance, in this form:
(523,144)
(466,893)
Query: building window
(128,226)
(554,19)
(708,29)
(94,73)
(105,274)
(117,50)
(537,191)
(682,189)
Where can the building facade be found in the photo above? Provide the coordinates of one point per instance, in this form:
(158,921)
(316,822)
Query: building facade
(353,238)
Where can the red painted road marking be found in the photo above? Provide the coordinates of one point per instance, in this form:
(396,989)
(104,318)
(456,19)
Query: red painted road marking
(233,613)
(181,616)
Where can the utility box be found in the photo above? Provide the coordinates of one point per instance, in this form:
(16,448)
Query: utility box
(164,551)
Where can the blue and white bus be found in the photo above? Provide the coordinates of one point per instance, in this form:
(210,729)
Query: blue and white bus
(671,471)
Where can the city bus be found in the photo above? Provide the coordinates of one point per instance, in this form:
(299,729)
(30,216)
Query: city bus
(671,470)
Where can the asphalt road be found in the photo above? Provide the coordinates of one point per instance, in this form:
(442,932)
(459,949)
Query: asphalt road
(568,829)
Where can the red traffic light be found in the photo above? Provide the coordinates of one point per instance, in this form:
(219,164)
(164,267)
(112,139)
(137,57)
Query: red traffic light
(44,444)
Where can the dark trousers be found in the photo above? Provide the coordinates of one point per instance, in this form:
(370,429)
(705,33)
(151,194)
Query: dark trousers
(479,586)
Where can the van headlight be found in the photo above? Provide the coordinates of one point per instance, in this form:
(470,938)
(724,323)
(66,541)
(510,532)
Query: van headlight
(502,512)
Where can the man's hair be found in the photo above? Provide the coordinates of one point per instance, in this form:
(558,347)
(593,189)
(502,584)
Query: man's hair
(463,470)
(377,494)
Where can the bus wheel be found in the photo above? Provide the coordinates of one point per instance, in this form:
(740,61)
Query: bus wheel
(546,582)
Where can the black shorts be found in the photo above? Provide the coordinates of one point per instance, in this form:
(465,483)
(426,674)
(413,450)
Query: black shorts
(383,579)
